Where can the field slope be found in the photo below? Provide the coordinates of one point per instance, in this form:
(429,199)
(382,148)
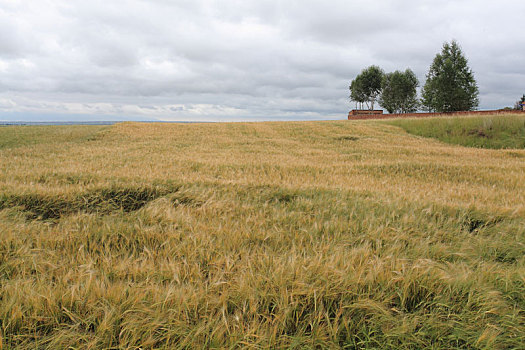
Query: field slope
(336,234)
(497,132)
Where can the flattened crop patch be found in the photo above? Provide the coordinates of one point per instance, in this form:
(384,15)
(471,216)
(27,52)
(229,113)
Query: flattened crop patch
(102,200)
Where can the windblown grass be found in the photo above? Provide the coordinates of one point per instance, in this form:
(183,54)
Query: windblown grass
(499,131)
(261,235)
(15,136)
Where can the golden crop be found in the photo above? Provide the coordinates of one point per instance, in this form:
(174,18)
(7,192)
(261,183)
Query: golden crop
(264,235)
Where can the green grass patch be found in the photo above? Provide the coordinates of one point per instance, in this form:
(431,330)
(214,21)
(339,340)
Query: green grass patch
(497,132)
(19,136)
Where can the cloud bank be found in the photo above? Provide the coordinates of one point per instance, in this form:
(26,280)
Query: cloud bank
(240,59)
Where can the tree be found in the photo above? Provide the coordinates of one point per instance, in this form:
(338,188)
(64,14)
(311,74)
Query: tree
(520,103)
(366,87)
(399,92)
(357,93)
(450,84)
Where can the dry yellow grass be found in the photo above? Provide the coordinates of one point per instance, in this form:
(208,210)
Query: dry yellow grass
(267,235)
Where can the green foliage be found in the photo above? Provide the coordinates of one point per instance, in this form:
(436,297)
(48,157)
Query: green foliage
(399,94)
(366,87)
(450,84)
(484,132)
(519,104)
(357,91)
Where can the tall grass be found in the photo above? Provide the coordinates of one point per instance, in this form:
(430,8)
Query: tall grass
(260,235)
(499,131)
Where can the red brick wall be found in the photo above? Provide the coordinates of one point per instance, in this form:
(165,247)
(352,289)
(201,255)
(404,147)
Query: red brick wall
(426,115)
(365,112)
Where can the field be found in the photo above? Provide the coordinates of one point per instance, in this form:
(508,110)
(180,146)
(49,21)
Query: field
(484,132)
(349,234)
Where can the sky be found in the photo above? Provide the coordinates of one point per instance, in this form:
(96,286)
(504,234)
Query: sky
(233,60)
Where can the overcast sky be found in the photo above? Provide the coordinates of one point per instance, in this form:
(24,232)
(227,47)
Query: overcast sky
(239,59)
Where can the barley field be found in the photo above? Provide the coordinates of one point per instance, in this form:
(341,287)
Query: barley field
(290,235)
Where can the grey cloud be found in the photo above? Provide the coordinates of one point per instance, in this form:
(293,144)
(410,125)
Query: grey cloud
(233,58)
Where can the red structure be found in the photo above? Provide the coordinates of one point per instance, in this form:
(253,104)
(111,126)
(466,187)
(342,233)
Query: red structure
(369,115)
(354,113)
